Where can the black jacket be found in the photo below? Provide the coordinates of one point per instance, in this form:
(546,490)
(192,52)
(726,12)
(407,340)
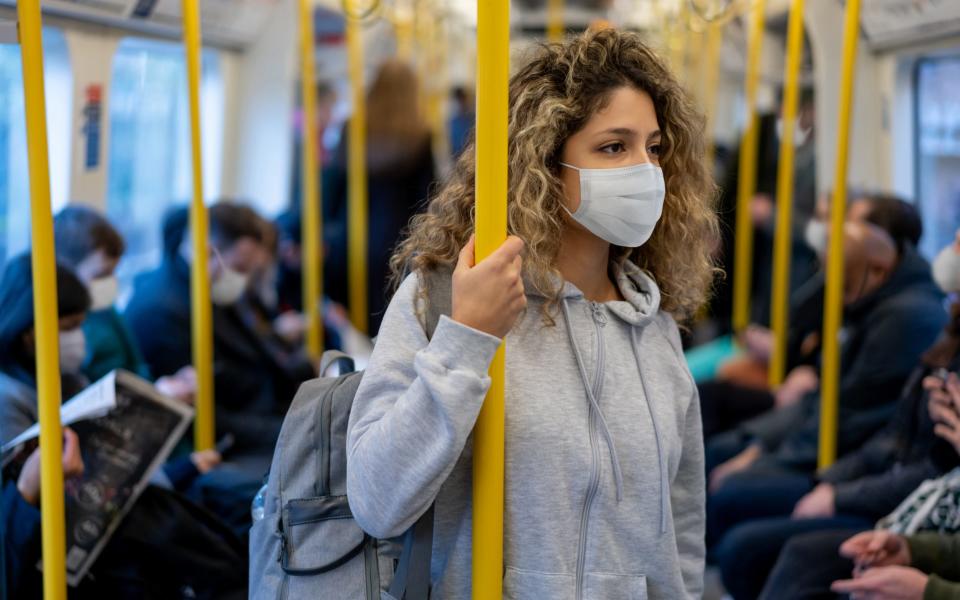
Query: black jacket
(251,392)
(882,339)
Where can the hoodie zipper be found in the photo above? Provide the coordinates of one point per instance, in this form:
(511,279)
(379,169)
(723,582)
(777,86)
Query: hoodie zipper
(599,320)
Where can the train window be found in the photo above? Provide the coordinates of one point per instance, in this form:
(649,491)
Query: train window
(938,149)
(14,180)
(150,168)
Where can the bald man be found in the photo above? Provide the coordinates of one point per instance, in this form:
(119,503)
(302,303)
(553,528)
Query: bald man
(892,312)
(869,259)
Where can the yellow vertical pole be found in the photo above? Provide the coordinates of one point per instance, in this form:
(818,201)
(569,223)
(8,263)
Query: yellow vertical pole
(711,78)
(437,81)
(747,178)
(310,186)
(46,323)
(201,309)
(678,42)
(833,301)
(357,210)
(555,22)
(780,300)
(695,60)
(493,72)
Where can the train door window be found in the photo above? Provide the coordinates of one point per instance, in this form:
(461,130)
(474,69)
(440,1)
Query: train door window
(938,150)
(14,177)
(149,166)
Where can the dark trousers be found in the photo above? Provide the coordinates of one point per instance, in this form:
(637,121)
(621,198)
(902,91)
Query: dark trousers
(748,553)
(724,405)
(758,493)
(808,564)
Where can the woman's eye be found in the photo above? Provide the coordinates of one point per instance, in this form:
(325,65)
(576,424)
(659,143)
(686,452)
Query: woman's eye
(654,150)
(614,148)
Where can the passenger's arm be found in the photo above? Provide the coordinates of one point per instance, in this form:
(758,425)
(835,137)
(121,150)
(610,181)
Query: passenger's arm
(772,427)
(874,457)
(412,414)
(877,495)
(936,554)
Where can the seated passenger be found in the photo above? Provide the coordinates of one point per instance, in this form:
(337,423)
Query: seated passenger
(18,384)
(138,562)
(741,389)
(880,491)
(281,335)
(159,314)
(892,312)
(858,489)
(91,247)
(811,562)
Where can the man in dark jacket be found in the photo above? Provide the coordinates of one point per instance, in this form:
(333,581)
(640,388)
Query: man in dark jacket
(245,383)
(889,319)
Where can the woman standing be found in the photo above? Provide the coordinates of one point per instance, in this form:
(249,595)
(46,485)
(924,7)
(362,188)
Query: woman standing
(610,208)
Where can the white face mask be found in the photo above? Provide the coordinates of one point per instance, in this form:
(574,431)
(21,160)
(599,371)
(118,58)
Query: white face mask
(800,135)
(229,287)
(73,350)
(946,269)
(815,234)
(103,292)
(621,206)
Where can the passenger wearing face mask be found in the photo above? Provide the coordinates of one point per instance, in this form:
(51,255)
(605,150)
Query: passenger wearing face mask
(159,315)
(892,313)
(18,402)
(611,223)
(89,245)
(740,389)
(137,562)
(946,267)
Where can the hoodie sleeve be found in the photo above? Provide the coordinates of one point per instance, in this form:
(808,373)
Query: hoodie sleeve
(412,414)
(687,490)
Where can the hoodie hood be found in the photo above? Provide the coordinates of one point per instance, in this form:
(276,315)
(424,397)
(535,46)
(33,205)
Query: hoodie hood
(640,292)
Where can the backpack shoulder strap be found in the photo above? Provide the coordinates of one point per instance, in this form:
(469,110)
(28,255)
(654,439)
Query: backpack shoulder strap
(439,296)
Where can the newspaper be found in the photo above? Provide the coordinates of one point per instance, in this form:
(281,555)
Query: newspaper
(127,430)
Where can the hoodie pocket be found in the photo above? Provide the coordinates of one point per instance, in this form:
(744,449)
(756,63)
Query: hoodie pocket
(610,586)
(524,585)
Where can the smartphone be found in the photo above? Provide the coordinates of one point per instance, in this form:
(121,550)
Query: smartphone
(225,444)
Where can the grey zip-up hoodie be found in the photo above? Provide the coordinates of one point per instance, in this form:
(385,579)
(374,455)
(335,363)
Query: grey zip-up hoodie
(604,451)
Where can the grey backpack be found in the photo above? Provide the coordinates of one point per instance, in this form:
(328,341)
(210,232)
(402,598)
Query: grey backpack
(308,545)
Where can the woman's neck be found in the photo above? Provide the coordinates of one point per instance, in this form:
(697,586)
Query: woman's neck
(584,261)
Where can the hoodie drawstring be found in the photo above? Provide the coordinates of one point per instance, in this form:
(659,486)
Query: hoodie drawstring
(661,457)
(617,475)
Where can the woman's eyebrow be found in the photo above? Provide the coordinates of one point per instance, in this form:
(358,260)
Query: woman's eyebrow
(654,134)
(623,131)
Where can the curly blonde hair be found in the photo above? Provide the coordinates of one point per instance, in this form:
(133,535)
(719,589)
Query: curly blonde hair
(552,97)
